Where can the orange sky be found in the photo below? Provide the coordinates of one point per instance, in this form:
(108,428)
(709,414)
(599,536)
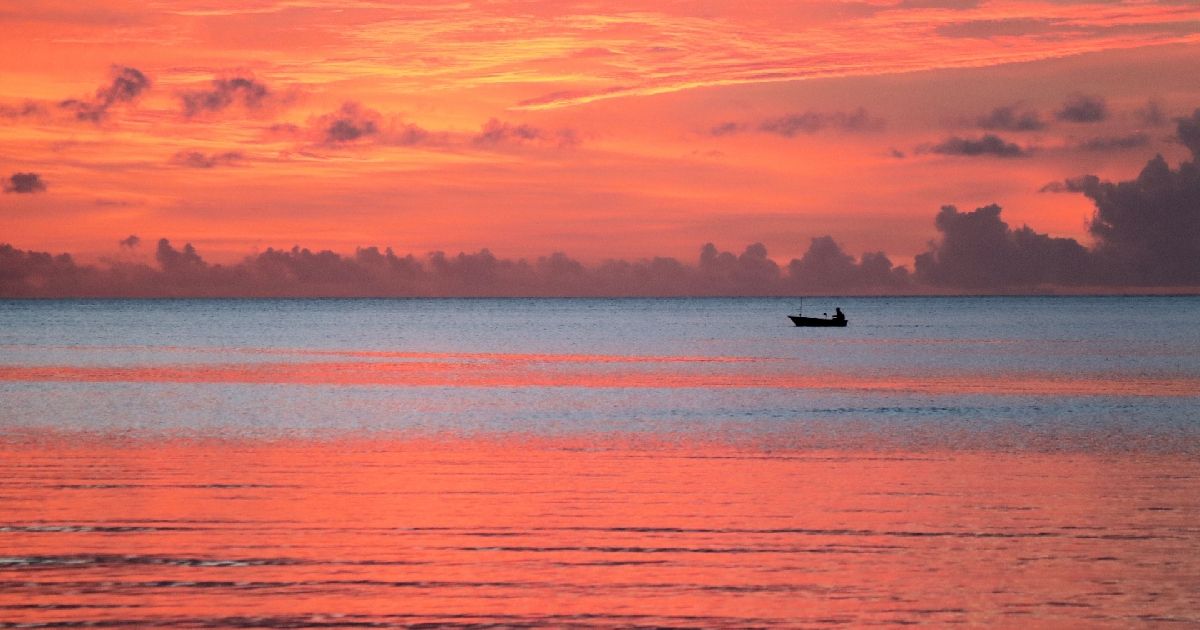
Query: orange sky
(621,129)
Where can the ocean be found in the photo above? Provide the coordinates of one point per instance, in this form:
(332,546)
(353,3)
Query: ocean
(474,463)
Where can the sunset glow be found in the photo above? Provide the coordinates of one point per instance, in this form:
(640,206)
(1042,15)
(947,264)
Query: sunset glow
(626,131)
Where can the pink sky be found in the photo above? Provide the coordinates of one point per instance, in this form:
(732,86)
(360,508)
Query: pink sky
(621,130)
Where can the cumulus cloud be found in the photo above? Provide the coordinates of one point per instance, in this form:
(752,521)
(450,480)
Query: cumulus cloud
(1082,108)
(499,133)
(752,272)
(24,183)
(978,251)
(810,122)
(1010,118)
(126,85)
(1147,233)
(826,267)
(986,145)
(1148,228)
(181,271)
(225,92)
(196,159)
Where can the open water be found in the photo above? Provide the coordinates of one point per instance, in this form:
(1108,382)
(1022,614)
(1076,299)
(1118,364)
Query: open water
(599,463)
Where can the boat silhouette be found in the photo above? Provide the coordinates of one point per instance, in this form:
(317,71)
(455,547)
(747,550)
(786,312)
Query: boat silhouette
(838,320)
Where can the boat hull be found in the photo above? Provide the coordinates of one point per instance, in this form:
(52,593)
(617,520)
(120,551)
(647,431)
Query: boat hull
(817,322)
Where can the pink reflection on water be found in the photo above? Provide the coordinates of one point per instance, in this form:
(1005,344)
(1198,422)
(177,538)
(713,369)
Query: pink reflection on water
(523,370)
(588,530)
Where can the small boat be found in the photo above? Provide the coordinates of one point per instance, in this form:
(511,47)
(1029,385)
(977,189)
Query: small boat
(838,320)
(800,320)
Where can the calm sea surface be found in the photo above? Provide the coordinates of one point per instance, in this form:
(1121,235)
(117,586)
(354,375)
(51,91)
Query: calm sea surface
(599,463)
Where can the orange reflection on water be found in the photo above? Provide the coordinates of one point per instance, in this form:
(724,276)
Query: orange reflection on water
(500,370)
(588,530)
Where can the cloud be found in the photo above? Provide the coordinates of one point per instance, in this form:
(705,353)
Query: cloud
(244,91)
(130,242)
(978,251)
(498,133)
(827,267)
(24,183)
(1153,114)
(1081,108)
(1148,228)
(1008,118)
(126,85)
(1188,132)
(28,109)
(196,159)
(791,125)
(181,271)
(353,123)
(988,29)
(1071,184)
(1115,143)
(1147,233)
(986,145)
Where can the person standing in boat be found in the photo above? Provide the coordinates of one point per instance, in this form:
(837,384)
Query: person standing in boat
(838,315)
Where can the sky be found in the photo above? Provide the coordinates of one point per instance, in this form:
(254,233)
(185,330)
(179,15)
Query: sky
(617,130)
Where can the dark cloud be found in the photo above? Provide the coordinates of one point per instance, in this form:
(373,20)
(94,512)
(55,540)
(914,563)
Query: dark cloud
(498,133)
(372,272)
(1070,185)
(39,274)
(978,251)
(130,242)
(1147,233)
(826,267)
(126,86)
(353,123)
(752,272)
(1115,143)
(349,123)
(1188,132)
(1009,118)
(986,145)
(810,122)
(244,91)
(1082,108)
(196,159)
(1148,228)
(24,183)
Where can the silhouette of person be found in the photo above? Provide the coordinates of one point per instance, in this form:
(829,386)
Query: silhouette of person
(838,314)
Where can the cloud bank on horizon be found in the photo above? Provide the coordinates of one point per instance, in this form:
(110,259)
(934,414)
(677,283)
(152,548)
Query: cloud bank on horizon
(1147,230)
(616,133)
